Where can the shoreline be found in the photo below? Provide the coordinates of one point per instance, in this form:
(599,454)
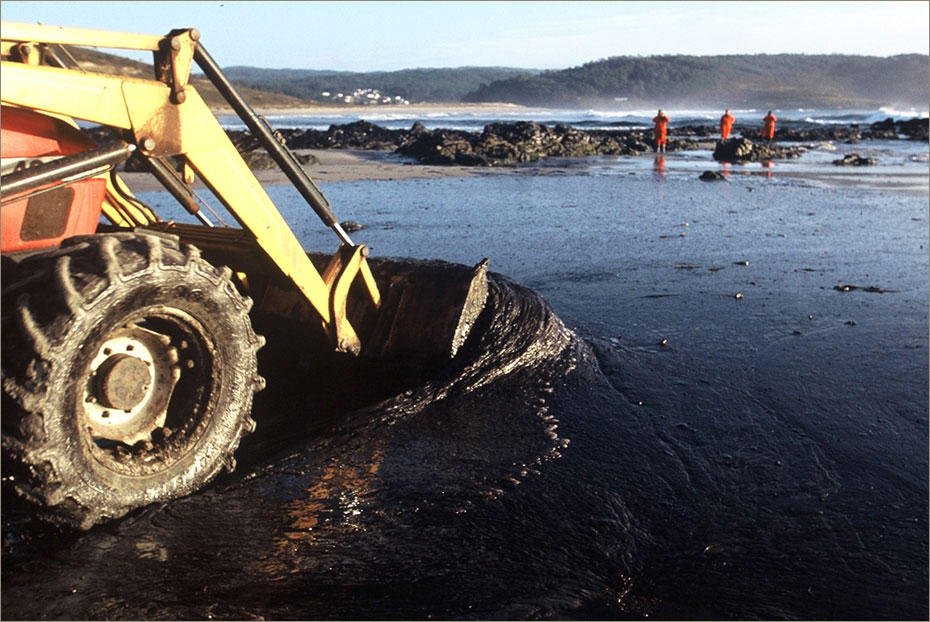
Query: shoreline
(347,165)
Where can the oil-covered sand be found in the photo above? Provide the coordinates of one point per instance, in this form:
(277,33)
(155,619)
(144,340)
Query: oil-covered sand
(723,414)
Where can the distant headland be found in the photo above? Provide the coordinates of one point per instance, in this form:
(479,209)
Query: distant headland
(762,80)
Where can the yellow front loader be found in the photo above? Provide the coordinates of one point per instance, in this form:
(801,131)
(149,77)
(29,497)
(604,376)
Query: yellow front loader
(129,342)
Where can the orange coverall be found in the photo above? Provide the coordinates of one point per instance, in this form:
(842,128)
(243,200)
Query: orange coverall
(768,128)
(660,130)
(726,124)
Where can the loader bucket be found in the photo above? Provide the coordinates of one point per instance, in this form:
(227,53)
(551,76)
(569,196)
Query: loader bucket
(431,312)
(427,311)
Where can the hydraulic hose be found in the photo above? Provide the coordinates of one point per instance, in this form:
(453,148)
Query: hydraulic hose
(67,169)
(182,193)
(265,135)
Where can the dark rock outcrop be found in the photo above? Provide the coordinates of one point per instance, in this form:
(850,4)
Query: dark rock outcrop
(745,150)
(712,176)
(502,144)
(356,135)
(443,147)
(364,135)
(255,155)
(914,129)
(818,134)
(854,159)
(889,129)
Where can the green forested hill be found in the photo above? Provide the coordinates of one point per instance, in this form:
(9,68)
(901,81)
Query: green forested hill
(415,85)
(741,80)
(95,61)
(780,80)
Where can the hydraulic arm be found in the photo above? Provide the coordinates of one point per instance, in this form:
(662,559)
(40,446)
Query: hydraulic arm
(166,117)
(130,347)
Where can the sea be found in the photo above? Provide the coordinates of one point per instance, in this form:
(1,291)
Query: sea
(687,400)
(600,119)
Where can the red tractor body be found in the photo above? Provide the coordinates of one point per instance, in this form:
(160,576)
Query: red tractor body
(44,217)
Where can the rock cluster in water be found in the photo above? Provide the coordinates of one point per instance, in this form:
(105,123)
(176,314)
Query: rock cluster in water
(913,129)
(524,141)
(746,150)
(712,176)
(854,159)
(501,144)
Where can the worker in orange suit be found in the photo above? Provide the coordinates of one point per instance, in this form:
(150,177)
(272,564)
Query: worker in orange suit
(660,130)
(726,124)
(768,127)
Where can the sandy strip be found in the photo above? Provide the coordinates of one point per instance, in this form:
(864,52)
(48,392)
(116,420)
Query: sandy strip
(335,165)
(351,165)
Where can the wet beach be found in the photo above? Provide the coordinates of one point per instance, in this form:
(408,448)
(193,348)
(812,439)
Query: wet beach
(686,400)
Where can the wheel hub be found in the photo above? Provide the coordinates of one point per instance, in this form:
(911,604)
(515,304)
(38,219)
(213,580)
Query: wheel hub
(130,384)
(122,382)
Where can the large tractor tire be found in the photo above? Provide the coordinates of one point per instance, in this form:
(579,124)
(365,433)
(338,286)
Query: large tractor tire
(129,367)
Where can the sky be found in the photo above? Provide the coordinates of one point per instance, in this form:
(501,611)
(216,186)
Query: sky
(387,36)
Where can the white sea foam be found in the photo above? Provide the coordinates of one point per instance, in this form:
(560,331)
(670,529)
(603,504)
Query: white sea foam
(898,115)
(590,118)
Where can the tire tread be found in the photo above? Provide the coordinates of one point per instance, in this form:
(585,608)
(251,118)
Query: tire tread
(84,271)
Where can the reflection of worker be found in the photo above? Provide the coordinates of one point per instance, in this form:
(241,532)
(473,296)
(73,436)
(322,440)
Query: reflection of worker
(768,127)
(726,124)
(660,130)
(658,166)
